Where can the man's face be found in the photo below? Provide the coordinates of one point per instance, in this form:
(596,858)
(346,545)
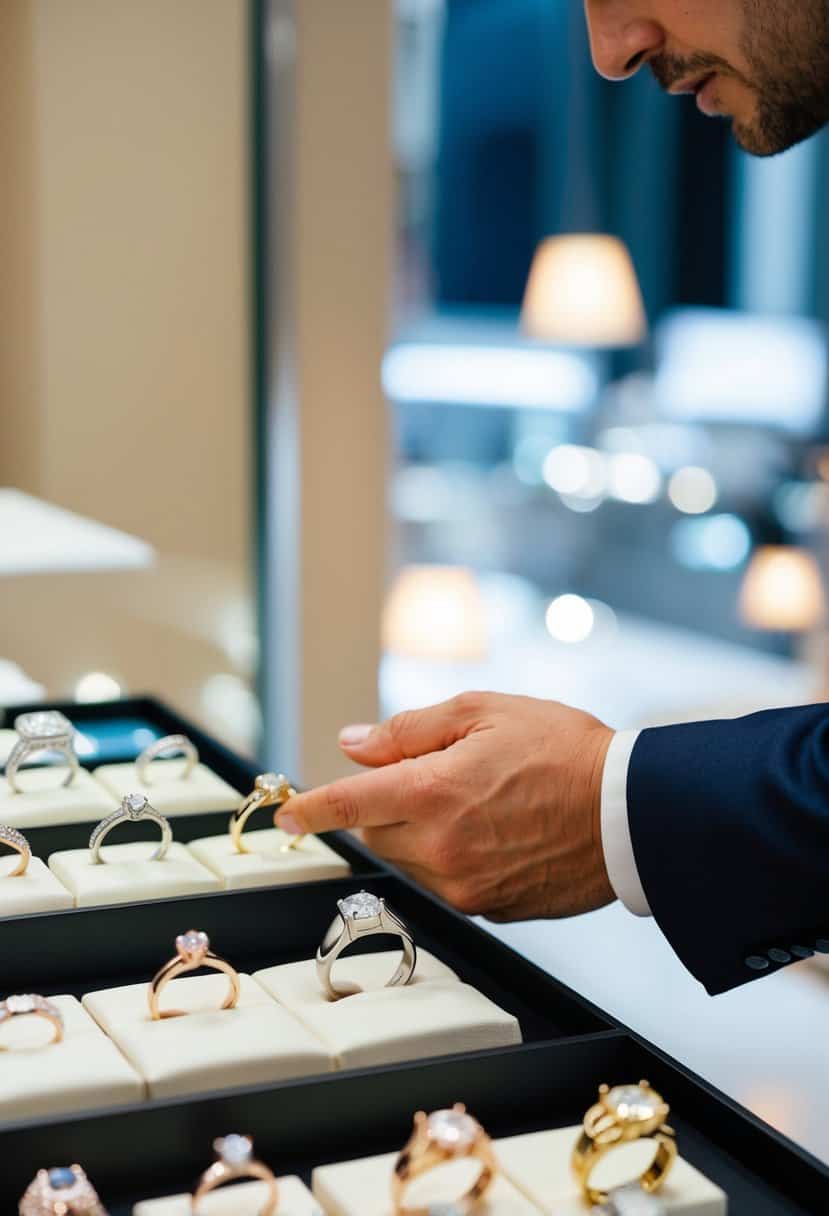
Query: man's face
(762,63)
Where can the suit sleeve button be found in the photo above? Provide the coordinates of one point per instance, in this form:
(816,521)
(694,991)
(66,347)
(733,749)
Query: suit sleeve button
(802,952)
(822,945)
(756,962)
(779,956)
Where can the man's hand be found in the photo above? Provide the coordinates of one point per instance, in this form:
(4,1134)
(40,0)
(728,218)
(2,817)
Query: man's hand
(491,801)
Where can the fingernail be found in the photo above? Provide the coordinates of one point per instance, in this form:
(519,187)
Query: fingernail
(353,736)
(288,824)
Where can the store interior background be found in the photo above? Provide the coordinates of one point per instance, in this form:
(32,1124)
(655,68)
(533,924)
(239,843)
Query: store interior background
(260,313)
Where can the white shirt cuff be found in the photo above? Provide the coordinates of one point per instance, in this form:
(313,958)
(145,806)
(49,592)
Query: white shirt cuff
(619,857)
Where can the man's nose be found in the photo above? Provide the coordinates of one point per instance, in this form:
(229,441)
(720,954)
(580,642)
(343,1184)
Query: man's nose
(620,41)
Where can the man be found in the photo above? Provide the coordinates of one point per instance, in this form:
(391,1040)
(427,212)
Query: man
(518,808)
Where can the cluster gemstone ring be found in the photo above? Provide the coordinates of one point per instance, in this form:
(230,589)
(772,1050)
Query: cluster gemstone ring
(192,952)
(443,1136)
(135,808)
(269,790)
(622,1114)
(64,1191)
(235,1160)
(18,842)
(170,744)
(29,1004)
(363,915)
(45,730)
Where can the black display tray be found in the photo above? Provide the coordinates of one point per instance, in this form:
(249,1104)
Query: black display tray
(570,1046)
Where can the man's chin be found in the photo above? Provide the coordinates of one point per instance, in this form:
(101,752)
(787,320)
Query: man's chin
(770,133)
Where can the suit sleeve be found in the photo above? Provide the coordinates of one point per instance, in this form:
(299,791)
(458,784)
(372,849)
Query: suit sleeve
(730,829)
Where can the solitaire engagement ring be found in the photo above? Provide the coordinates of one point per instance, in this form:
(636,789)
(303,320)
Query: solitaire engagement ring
(65,1191)
(133,809)
(622,1114)
(631,1200)
(162,747)
(45,730)
(192,952)
(29,1004)
(17,841)
(362,915)
(445,1135)
(269,790)
(235,1159)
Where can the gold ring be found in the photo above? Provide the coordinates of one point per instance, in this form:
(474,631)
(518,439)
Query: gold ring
(623,1114)
(269,789)
(443,1136)
(235,1159)
(192,952)
(30,1004)
(17,841)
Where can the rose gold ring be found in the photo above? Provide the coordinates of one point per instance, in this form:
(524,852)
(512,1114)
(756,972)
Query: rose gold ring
(17,841)
(29,1004)
(445,1135)
(235,1160)
(192,952)
(65,1191)
(269,789)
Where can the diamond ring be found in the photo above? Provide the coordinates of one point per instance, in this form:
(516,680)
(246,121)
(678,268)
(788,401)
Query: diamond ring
(65,1191)
(162,747)
(192,952)
(362,915)
(45,730)
(133,809)
(622,1114)
(235,1159)
(631,1200)
(17,841)
(269,789)
(443,1136)
(29,1004)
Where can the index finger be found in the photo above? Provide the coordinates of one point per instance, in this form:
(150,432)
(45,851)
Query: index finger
(379,798)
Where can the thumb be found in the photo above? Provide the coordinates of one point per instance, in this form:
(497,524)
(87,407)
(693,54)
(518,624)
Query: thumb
(416,732)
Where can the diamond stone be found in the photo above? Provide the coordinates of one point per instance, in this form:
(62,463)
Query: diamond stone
(193,941)
(21,1004)
(134,804)
(235,1150)
(43,724)
(633,1102)
(361,906)
(61,1178)
(452,1128)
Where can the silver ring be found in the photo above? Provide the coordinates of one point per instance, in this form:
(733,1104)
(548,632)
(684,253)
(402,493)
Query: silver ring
(18,842)
(65,1190)
(45,730)
(170,743)
(631,1200)
(133,809)
(362,915)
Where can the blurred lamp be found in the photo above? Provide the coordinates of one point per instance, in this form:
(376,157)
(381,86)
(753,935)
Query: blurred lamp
(435,612)
(583,291)
(782,590)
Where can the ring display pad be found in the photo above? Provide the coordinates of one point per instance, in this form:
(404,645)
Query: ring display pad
(210,1048)
(128,875)
(44,801)
(539,1164)
(363,1188)
(265,865)
(239,1199)
(434,1015)
(168,791)
(38,890)
(83,1072)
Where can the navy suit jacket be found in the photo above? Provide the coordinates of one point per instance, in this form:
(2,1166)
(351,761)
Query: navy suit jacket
(730,829)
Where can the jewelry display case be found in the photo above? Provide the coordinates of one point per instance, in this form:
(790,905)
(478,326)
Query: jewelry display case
(157,1147)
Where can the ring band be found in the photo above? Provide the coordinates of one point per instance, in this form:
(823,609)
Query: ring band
(65,1191)
(192,951)
(45,730)
(235,1159)
(631,1200)
(362,915)
(269,789)
(17,841)
(623,1114)
(170,743)
(445,1135)
(133,809)
(31,1005)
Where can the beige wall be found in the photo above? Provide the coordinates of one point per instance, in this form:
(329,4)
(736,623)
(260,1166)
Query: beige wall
(124,352)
